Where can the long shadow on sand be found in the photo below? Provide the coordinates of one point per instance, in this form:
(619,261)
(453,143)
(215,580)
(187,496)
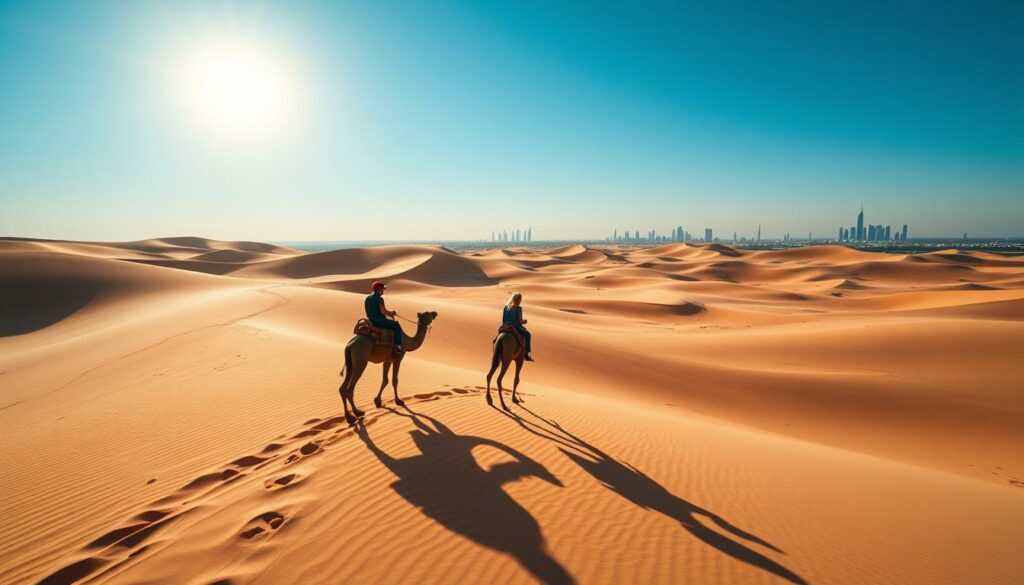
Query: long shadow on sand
(634,485)
(447,485)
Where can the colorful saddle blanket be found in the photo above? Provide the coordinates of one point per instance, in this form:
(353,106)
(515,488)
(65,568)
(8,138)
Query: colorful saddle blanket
(505,328)
(382,337)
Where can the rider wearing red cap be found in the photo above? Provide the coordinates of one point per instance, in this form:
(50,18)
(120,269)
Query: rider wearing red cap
(378,314)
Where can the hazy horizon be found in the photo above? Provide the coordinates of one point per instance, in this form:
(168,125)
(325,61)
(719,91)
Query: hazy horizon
(399,121)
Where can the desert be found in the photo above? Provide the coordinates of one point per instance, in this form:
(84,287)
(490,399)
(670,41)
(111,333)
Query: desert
(696,413)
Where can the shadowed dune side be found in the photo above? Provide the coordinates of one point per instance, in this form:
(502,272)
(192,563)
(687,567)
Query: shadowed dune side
(39,289)
(426,265)
(205,245)
(155,248)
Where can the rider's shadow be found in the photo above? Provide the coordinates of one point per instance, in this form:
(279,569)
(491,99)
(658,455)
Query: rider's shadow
(637,487)
(445,482)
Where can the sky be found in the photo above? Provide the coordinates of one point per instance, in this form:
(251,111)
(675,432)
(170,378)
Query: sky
(285,121)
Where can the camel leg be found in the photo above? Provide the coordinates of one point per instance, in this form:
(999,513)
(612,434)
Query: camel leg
(515,381)
(495,358)
(341,390)
(501,374)
(350,392)
(347,371)
(394,383)
(383,384)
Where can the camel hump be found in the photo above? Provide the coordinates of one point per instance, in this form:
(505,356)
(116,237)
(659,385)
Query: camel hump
(510,331)
(380,336)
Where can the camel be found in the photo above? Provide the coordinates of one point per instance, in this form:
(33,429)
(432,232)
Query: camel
(506,349)
(361,350)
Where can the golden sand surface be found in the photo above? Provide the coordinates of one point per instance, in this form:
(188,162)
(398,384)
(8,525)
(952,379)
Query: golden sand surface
(695,414)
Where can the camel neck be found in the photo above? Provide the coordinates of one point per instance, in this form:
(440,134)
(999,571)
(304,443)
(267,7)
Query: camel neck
(414,342)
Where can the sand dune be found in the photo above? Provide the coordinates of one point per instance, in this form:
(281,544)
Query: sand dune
(696,414)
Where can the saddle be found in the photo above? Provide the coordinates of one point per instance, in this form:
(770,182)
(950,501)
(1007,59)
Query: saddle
(506,328)
(382,337)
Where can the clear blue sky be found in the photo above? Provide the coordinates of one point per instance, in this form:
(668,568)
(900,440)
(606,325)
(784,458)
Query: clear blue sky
(409,121)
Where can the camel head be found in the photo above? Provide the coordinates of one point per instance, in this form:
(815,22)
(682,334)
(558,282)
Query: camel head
(426,318)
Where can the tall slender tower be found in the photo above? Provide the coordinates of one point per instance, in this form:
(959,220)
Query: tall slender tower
(758,232)
(860,224)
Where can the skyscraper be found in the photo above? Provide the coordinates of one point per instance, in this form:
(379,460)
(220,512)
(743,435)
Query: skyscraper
(758,232)
(860,224)
(707,234)
(903,237)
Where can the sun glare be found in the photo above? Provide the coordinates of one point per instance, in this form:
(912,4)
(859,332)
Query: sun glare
(237,88)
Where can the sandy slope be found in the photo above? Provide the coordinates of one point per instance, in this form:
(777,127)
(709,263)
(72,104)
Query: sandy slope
(696,414)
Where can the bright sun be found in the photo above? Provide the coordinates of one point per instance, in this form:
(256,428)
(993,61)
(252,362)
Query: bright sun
(237,88)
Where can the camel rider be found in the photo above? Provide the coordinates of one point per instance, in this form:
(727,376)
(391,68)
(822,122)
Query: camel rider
(378,314)
(513,315)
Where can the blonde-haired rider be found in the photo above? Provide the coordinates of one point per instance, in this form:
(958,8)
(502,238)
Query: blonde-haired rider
(513,315)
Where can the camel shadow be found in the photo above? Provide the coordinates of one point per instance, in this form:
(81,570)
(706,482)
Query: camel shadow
(637,487)
(447,485)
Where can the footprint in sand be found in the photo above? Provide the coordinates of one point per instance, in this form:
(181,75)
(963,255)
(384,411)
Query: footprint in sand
(431,395)
(306,450)
(282,482)
(143,525)
(264,524)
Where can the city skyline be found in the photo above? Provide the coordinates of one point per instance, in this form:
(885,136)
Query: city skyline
(860,232)
(124,121)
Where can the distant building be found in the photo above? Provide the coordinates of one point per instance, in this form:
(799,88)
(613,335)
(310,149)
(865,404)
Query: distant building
(903,237)
(888,233)
(759,233)
(707,235)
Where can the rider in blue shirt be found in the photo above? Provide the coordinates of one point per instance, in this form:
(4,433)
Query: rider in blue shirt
(378,314)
